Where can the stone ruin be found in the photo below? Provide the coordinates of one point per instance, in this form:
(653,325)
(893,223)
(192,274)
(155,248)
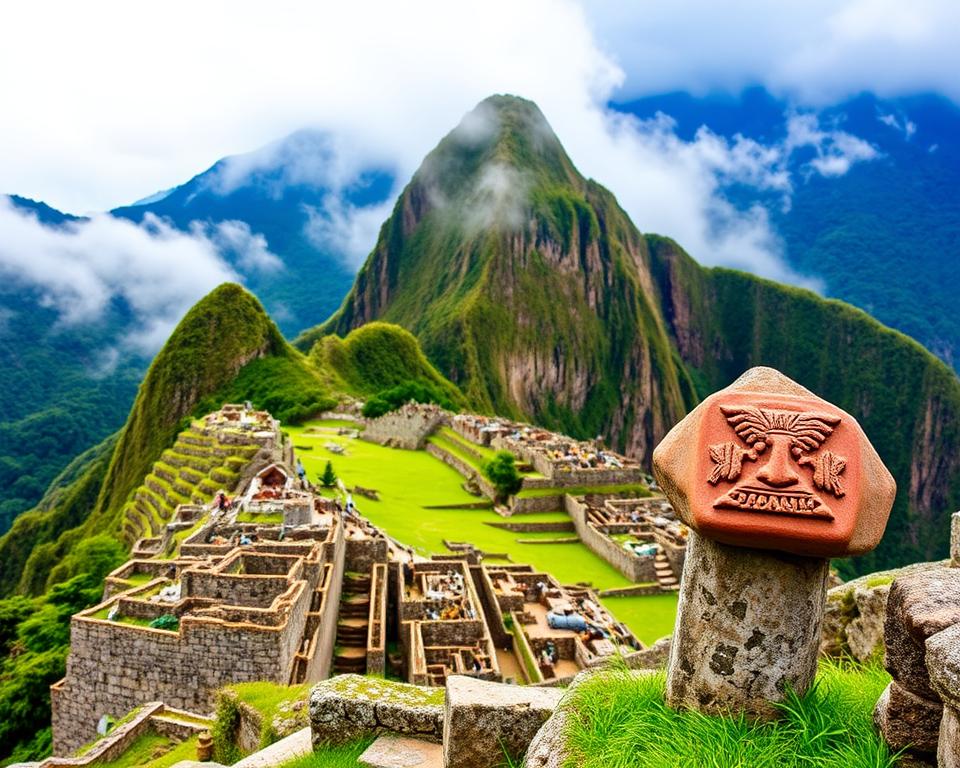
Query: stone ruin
(920,709)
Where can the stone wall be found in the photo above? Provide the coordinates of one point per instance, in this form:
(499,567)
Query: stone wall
(363,554)
(468,472)
(114,667)
(377,623)
(525,504)
(407,427)
(637,569)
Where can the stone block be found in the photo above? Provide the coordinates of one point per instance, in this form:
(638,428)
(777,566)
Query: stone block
(906,720)
(948,748)
(347,707)
(390,751)
(919,605)
(483,720)
(943,664)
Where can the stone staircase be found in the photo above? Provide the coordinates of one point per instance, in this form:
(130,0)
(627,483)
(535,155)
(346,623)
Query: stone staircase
(666,578)
(352,625)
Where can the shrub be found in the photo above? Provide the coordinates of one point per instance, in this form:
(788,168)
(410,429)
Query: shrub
(166,621)
(418,391)
(501,470)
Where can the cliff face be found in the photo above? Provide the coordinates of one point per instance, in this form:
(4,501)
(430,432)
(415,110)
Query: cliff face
(530,288)
(527,284)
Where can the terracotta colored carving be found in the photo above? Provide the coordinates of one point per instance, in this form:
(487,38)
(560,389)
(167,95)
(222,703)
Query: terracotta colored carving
(766,463)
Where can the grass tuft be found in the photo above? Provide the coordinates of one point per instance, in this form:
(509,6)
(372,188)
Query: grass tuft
(621,721)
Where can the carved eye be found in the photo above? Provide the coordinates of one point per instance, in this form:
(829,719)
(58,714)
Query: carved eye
(760,446)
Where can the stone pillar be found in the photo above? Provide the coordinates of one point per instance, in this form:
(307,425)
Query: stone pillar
(730,651)
(773,481)
(943,666)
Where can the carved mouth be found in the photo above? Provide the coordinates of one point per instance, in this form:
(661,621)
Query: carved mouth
(745,498)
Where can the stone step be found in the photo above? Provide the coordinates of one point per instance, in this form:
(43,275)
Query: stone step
(390,751)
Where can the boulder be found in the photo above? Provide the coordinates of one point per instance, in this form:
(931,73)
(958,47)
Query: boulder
(748,627)
(948,749)
(347,707)
(906,720)
(483,720)
(943,664)
(919,605)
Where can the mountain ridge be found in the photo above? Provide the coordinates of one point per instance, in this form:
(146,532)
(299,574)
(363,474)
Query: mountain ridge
(566,308)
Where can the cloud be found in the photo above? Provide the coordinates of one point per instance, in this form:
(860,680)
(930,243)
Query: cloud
(379,83)
(836,151)
(339,227)
(233,239)
(80,268)
(907,127)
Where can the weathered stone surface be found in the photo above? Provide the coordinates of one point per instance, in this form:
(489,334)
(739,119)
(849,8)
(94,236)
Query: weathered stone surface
(391,751)
(482,720)
(347,707)
(767,464)
(906,720)
(955,540)
(948,747)
(943,664)
(748,626)
(920,605)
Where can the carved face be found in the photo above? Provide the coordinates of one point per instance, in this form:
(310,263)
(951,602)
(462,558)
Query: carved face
(776,468)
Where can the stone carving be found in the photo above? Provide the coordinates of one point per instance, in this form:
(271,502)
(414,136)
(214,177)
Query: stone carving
(777,439)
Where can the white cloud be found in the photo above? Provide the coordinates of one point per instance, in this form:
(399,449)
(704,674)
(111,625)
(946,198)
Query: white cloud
(248,250)
(339,227)
(907,127)
(836,150)
(80,268)
(151,99)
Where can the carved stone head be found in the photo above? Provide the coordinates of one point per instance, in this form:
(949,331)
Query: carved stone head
(767,464)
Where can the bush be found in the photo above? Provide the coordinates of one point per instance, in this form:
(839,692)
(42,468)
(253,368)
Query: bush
(501,470)
(166,621)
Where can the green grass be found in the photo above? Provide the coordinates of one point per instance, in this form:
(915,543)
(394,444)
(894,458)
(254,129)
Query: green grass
(267,697)
(580,490)
(344,756)
(264,518)
(410,480)
(147,749)
(622,722)
(649,617)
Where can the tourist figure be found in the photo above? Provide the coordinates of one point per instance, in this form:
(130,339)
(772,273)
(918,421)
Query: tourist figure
(302,474)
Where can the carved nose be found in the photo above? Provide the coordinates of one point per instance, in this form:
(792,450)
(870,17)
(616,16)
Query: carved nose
(777,471)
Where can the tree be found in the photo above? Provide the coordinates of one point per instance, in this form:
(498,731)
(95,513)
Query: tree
(501,470)
(329,478)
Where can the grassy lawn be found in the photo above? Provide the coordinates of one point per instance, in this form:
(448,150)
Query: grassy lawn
(623,722)
(649,618)
(410,480)
(581,490)
(263,518)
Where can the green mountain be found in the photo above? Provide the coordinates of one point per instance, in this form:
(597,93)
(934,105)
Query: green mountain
(526,284)
(529,287)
